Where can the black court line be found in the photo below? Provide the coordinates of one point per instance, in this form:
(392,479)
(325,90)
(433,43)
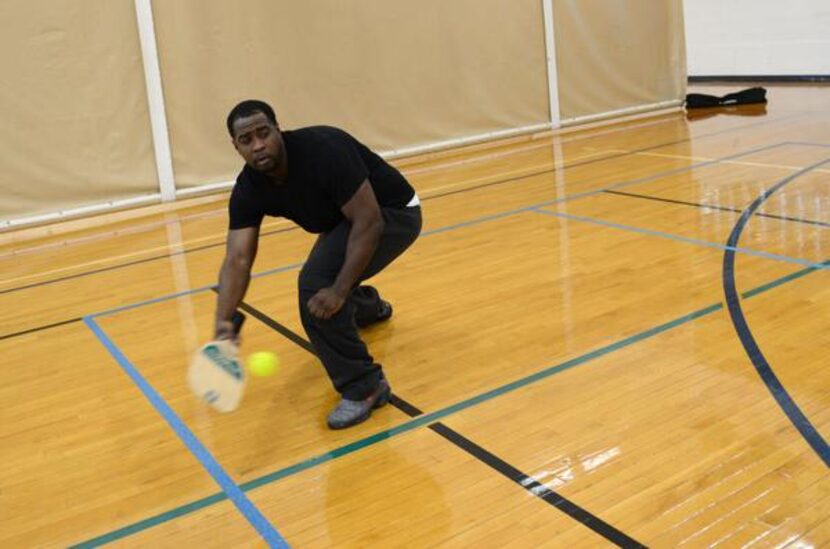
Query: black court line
(274,325)
(558,501)
(773,78)
(753,351)
(568,507)
(610,157)
(720,208)
(39,328)
(575,196)
(441,195)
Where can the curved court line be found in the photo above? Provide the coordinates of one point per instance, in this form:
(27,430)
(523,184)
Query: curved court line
(471,222)
(229,487)
(434,231)
(189,508)
(556,167)
(773,384)
(202,503)
(420,421)
(510,179)
(537,208)
(486,218)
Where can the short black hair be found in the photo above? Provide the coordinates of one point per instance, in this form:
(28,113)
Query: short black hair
(248,108)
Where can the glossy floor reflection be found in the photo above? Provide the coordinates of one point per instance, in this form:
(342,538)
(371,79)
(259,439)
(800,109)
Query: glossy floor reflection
(567,368)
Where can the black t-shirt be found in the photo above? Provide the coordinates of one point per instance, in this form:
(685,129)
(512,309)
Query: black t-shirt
(326,166)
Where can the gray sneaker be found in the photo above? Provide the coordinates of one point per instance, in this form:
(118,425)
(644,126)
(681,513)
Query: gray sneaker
(352,412)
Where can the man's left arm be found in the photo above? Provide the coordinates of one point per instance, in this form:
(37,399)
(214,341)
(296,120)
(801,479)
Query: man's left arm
(363,212)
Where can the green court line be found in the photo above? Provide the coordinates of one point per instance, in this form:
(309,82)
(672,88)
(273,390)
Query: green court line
(430,418)
(427,419)
(147,523)
(420,421)
(783,280)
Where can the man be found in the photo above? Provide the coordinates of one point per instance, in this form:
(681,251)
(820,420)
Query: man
(366,215)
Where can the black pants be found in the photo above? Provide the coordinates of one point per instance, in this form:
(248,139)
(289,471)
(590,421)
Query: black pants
(351,368)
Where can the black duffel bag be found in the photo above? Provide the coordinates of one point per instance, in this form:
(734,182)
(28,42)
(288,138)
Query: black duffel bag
(744,97)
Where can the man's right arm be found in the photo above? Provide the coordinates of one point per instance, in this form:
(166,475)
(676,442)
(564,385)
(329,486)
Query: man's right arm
(234,277)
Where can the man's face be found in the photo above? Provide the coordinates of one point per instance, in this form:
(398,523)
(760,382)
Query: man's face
(259,142)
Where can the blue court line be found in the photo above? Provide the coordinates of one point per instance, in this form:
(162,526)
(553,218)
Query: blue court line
(470,223)
(194,506)
(779,393)
(679,238)
(384,435)
(432,417)
(167,297)
(756,356)
(236,495)
(420,421)
(209,501)
(553,170)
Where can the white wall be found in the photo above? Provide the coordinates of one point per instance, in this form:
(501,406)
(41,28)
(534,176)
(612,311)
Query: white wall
(757,37)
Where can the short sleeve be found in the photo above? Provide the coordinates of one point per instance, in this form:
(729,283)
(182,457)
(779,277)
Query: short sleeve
(242,209)
(347,170)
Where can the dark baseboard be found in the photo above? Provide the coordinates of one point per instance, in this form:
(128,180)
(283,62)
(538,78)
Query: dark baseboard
(763,78)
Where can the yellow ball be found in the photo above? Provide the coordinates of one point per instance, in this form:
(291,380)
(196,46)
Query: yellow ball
(263,363)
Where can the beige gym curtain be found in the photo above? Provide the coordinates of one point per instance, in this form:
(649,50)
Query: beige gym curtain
(75,126)
(617,55)
(395,73)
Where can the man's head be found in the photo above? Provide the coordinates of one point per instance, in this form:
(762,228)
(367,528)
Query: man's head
(256,136)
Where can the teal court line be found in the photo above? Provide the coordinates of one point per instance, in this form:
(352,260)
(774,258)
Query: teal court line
(477,221)
(244,505)
(432,417)
(684,239)
(554,169)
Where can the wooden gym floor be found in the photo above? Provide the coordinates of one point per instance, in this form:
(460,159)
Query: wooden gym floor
(615,335)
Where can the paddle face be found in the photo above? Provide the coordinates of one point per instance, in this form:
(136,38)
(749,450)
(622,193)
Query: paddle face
(216,375)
